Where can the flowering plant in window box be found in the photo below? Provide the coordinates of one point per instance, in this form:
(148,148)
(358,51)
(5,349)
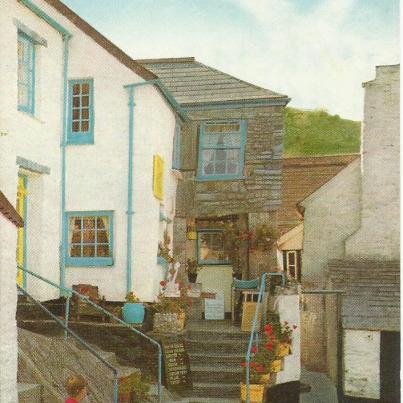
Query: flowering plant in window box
(285,338)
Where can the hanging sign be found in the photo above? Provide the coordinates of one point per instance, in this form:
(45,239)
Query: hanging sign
(158,177)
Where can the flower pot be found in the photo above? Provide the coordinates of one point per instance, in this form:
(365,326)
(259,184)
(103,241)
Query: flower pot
(133,312)
(256,393)
(276,366)
(284,349)
(265,378)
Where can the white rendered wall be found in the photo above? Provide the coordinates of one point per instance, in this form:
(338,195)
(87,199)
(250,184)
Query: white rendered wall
(36,138)
(379,234)
(331,215)
(8,302)
(288,310)
(362,363)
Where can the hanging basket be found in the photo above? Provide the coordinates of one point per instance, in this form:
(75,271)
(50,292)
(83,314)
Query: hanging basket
(256,393)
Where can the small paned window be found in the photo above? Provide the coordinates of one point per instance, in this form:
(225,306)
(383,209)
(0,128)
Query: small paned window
(81,112)
(90,239)
(212,248)
(292,264)
(221,150)
(26,73)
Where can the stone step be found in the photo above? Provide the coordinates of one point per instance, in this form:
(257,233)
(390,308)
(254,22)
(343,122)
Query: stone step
(233,359)
(29,393)
(216,373)
(217,390)
(214,335)
(216,346)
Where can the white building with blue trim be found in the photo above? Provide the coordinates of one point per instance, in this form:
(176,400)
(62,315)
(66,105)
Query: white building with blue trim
(90,134)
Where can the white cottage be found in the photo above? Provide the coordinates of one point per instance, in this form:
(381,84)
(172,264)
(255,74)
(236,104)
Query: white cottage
(86,146)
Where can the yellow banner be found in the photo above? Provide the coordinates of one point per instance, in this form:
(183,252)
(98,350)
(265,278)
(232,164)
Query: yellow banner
(158,178)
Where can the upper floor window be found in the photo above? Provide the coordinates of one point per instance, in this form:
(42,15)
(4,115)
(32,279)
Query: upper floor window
(222,149)
(26,73)
(81,112)
(89,238)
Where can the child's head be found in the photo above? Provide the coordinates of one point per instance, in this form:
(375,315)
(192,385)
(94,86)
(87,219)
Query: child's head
(75,386)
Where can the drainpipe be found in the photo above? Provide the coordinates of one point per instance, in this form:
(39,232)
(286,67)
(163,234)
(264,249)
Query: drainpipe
(130,211)
(66,37)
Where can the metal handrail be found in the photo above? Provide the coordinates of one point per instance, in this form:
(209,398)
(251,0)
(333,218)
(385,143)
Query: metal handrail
(254,336)
(81,341)
(70,291)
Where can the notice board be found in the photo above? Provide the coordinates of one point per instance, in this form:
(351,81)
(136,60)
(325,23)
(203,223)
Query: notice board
(176,365)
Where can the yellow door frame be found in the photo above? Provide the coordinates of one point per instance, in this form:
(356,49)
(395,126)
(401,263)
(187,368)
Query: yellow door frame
(21,255)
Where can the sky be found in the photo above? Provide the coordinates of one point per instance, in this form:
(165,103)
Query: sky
(318,52)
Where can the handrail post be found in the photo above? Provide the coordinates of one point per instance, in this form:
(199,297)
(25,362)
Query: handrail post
(66,318)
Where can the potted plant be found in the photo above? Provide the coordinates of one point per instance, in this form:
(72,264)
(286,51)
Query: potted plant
(192,268)
(133,388)
(285,338)
(133,310)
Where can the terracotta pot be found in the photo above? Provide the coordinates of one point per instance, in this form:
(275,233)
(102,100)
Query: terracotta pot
(256,393)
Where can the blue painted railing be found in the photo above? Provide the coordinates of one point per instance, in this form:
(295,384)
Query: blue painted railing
(81,341)
(69,292)
(254,334)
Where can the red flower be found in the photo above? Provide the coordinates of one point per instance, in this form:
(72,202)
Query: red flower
(163,283)
(294,326)
(272,337)
(253,364)
(260,368)
(189,286)
(254,349)
(269,346)
(268,329)
(180,284)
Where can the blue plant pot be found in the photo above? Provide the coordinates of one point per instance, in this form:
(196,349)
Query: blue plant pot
(133,312)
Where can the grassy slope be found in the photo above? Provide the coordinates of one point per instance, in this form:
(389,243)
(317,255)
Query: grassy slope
(317,132)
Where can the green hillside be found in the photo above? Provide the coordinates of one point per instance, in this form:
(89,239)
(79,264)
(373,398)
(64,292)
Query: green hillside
(317,132)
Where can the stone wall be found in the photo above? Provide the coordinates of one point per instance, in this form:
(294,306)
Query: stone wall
(259,191)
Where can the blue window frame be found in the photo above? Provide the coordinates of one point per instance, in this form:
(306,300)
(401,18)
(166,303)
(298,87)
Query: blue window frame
(89,238)
(176,154)
(26,73)
(81,112)
(222,150)
(211,247)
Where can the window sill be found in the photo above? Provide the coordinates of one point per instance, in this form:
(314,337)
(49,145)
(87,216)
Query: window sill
(89,262)
(31,116)
(218,178)
(79,142)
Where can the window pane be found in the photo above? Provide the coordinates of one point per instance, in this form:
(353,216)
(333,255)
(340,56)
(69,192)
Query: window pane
(85,113)
(75,251)
(89,236)
(89,223)
(103,250)
(76,102)
(85,89)
(220,167)
(76,114)
(291,258)
(85,126)
(232,167)
(89,251)
(102,236)
(76,89)
(85,101)
(76,126)
(222,127)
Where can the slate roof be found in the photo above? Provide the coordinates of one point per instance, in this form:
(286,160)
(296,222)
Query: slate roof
(301,177)
(371,297)
(192,82)
(7,209)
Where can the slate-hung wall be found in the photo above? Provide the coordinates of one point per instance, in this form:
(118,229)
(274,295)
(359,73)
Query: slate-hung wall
(259,190)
